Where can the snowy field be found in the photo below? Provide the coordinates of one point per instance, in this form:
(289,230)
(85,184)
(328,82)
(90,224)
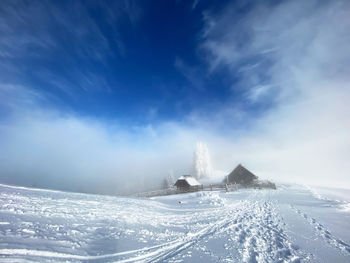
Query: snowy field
(291,224)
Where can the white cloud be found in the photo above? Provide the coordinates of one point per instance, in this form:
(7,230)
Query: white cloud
(304,136)
(256,93)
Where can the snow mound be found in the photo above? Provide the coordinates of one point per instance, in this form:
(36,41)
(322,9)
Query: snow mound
(211,198)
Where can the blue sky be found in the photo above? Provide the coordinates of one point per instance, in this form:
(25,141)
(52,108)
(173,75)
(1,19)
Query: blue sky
(94,87)
(137,62)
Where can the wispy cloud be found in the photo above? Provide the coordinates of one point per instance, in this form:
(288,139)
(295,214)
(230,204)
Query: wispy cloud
(14,98)
(302,52)
(57,42)
(195,3)
(31,27)
(192,74)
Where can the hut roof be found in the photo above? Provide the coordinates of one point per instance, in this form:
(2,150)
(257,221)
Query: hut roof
(241,175)
(191,181)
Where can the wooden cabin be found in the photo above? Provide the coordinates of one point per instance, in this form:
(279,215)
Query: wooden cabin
(187,183)
(240,175)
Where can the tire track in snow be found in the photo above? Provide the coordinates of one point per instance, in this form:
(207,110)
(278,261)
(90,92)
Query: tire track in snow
(324,233)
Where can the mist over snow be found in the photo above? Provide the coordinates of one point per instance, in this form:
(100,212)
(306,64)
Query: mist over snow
(269,88)
(68,152)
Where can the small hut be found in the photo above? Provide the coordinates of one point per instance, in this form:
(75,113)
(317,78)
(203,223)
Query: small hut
(187,183)
(241,175)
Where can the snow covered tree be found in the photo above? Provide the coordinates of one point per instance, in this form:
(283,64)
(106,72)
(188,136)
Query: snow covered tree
(201,161)
(171,180)
(165,184)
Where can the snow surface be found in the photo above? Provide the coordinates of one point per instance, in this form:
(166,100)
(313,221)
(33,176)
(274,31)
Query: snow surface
(290,224)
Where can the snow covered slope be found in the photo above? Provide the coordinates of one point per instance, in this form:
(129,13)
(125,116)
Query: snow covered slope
(290,224)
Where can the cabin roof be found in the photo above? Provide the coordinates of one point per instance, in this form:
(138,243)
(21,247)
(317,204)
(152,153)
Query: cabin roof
(189,179)
(241,175)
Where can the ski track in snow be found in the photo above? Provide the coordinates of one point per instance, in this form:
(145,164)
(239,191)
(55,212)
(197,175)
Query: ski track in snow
(324,233)
(251,224)
(59,227)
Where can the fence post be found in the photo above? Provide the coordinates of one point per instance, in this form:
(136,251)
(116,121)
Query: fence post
(226,187)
